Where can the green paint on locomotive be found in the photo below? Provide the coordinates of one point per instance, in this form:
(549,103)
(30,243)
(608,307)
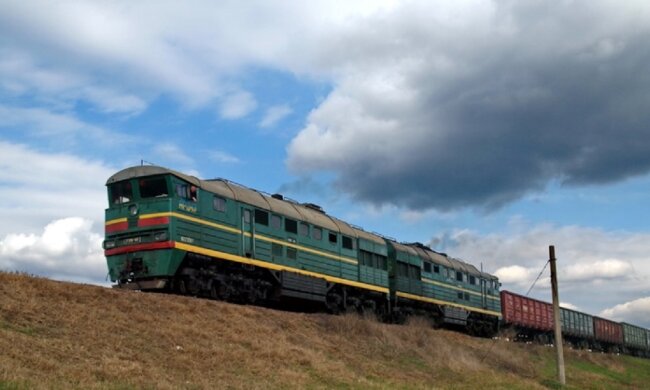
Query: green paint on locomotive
(156,216)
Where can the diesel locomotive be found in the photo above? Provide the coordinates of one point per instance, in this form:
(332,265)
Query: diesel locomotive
(171,232)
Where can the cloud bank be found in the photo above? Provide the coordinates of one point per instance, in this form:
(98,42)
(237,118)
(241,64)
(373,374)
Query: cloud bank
(455,104)
(38,187)
(66,249)
(478,104)
(636,312)
(598,270)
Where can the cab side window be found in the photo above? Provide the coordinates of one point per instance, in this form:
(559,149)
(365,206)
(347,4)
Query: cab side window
(188,192)
(219,204)
(304,229)
(181,190)
(317,233)
(261,217)
(290,226)
(276,221)
(347,242)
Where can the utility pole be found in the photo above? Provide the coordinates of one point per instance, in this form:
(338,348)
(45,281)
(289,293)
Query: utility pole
(556,315)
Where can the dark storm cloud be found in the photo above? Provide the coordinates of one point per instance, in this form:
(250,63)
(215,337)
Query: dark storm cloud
(559,96)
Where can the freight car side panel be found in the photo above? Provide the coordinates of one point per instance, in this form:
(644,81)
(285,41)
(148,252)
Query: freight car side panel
(526,312)
(608,331)
(577,324)
(634,336)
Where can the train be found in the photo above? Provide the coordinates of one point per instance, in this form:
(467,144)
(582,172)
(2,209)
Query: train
(166,231)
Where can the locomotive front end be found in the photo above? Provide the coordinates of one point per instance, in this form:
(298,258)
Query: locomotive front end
(138,245)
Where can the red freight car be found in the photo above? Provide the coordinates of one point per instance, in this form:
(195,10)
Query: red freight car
(526,312)
(608,331)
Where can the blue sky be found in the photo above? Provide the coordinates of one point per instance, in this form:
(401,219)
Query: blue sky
(486,129)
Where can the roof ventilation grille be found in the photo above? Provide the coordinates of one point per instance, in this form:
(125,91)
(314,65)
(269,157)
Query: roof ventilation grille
(314,207)
(277,196)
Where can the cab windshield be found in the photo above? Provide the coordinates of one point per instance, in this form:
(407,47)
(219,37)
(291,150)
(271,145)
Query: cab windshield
(121,192)
(155,187)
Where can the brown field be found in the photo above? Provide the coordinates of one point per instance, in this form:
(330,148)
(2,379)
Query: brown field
(64,335)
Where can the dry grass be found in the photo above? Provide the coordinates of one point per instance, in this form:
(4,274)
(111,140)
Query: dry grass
(63,335)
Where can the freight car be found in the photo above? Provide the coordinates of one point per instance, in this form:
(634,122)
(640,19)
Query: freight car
(608,334)
(533,320)
(635,339)
(577,328)
(168,231)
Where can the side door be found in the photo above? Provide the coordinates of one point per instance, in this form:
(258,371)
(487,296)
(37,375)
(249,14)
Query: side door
(247,232)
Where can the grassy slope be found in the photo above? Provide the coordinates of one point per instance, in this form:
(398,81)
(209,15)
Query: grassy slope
(63,335)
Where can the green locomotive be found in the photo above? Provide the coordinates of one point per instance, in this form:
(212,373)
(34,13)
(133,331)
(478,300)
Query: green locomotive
(168,231)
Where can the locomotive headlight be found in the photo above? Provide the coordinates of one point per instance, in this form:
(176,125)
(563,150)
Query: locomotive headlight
(109,244)
(160,236)
(133,209)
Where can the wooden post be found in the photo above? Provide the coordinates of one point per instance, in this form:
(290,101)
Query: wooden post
(556,316)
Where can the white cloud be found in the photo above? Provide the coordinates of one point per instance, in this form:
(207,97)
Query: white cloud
(113,102)
(223,157)
(61,128)
(569,306)
(237,105)
(67,249)
(596,268)
(52,208)
(636,312)
(603,269)
(514,274)
(192,51)
(36,188)
(20,76)
(275,114)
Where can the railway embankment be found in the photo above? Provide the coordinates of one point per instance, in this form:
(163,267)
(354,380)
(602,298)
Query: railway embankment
(66,335)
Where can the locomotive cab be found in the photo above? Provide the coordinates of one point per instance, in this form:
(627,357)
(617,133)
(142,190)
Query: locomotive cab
(138,243)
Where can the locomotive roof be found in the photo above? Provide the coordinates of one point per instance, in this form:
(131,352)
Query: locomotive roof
(254,198)
(429,254)
(148,170)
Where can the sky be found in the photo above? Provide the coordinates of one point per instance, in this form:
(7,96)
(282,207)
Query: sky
(488,130)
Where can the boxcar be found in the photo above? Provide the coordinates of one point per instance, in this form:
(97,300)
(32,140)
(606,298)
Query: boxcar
(634,337)
(576,324)
(608,332)
(525,312)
